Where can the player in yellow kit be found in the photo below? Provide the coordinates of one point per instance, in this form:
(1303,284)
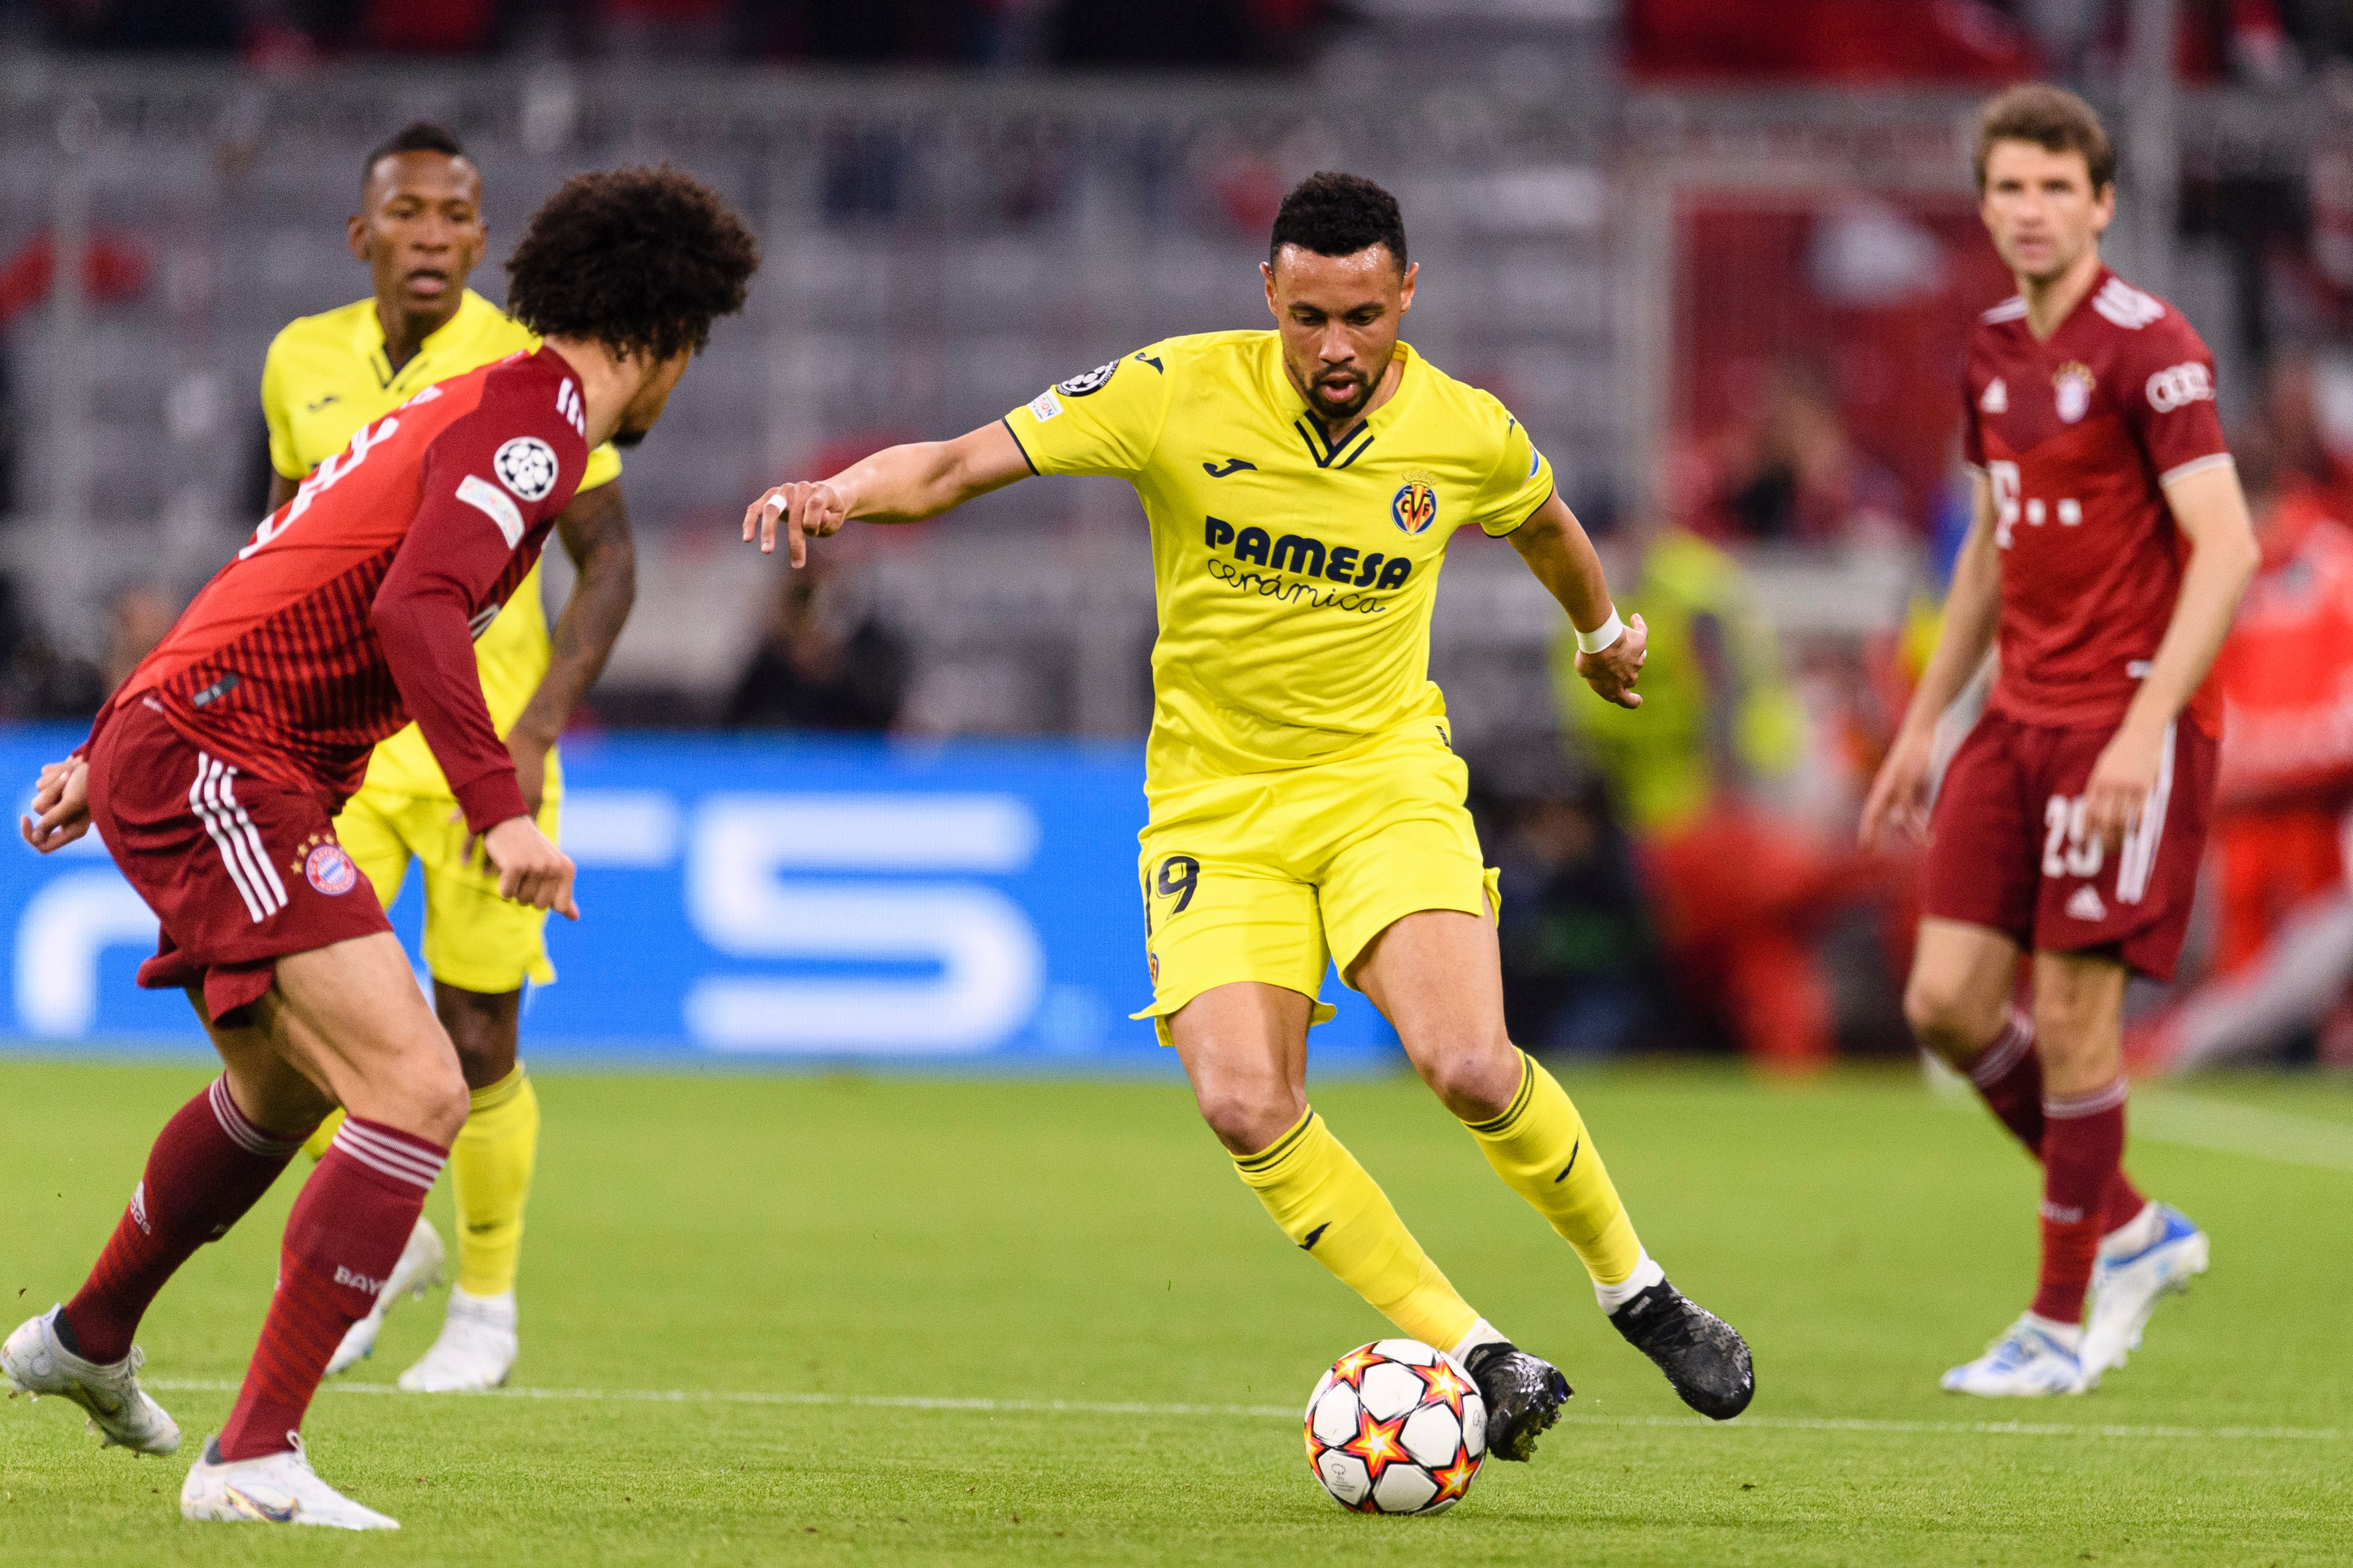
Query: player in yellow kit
(421,232)
(1306,806)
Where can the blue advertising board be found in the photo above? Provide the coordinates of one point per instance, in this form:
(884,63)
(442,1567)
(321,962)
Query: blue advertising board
(753,898)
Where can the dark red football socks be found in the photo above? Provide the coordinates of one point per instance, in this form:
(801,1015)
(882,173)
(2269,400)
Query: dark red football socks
(343,1241)
(2009,1078)
(2082,1141)
(209,1164)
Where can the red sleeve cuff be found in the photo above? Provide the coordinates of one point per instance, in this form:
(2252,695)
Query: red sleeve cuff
(490,799)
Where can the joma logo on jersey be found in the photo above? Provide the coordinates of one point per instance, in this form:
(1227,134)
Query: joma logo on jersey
(1309,557)
(1415,506)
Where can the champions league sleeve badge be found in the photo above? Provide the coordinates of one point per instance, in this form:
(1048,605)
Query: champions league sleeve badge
(1093,381)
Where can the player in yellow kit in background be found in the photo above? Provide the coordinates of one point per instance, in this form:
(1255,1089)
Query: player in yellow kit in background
(421,231)
(1306,804)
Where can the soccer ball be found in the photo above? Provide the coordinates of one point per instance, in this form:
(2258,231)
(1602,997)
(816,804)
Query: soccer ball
(1396,1427)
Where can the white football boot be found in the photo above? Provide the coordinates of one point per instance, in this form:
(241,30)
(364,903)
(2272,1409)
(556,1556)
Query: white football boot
(33,1361)
(418,1268)
(2024,1361)
(277,1488)
(2126,1285)
(476,1351)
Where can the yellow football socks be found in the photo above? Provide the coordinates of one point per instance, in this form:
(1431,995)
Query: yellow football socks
(1331,1208)
(1539,1146)
(489,1170)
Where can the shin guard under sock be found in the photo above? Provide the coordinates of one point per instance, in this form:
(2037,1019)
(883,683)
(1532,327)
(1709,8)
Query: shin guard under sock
(341,1242)
(2009,1078)
(1335,1212)
(208,1166)
(2083,1143)
(1541,1149)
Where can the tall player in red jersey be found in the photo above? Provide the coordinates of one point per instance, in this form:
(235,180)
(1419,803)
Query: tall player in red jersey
(2109,549)
(215,773)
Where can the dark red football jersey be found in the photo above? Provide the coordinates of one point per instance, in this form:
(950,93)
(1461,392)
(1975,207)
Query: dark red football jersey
(2077,436)
(354,607)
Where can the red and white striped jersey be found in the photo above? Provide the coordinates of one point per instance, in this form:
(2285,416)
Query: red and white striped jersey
(354,606)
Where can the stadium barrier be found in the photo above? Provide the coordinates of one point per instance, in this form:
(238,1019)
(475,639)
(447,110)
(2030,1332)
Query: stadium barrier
(970,903)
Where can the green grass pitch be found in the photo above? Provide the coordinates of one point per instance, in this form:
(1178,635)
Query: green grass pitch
(821,1269)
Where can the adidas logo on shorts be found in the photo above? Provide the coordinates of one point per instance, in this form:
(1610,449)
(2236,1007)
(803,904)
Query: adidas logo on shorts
(2086,905)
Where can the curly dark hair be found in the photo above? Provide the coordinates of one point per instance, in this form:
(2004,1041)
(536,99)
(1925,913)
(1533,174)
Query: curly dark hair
(1338,215)
(641,260)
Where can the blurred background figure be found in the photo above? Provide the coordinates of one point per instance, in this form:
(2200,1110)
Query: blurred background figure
(1793,474)
(1581,973)
(1740,895)
(827,658)
(2282,947)
(136,621)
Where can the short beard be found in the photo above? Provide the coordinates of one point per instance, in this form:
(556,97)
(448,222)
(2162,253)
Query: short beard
(626,439)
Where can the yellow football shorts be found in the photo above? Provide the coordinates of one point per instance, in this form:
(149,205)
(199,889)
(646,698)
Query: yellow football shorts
(1272,878)
(474,938)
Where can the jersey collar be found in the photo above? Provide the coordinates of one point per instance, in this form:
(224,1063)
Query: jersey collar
(1308,431)
(369,342)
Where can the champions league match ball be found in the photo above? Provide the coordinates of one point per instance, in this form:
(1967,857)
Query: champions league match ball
(1396,1427)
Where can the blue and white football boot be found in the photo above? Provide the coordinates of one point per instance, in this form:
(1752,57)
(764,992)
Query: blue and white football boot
(2025,1361)
(2127,1285)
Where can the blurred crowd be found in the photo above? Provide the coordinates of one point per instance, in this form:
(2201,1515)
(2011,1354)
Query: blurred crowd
(1230,33)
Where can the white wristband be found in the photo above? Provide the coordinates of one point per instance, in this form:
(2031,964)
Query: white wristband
(1601,637)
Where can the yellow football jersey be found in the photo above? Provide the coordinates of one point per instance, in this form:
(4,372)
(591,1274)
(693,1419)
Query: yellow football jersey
(1294,580)
(326,376)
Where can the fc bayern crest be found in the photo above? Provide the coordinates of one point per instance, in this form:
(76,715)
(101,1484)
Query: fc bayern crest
(330,870)
(1415,506)
(526,466)
(2074,384)
(1093,381)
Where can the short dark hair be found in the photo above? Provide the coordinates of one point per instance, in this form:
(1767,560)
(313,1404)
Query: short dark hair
(641,260)
(1338,215)
(417,136)
(2052,119)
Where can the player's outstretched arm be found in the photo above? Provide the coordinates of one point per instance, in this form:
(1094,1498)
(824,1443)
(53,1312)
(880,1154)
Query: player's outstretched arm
(2212,512)
(898,484)
(1610,653)
(1898,801)
(60,806)
(596,532)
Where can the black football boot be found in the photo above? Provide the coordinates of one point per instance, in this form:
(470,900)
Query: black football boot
(1704,1357)
(1523,1395)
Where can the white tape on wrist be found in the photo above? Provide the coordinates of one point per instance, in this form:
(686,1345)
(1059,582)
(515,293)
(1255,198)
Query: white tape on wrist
(1602,635)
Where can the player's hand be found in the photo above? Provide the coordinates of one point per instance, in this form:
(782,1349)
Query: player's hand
(60,806)
(531,871)
(1613,671)
(810,508)
(1898,801)
(2120,783)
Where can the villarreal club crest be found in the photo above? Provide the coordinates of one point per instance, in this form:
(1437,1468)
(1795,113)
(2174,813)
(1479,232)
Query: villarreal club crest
(1415,506)
(1396,1427)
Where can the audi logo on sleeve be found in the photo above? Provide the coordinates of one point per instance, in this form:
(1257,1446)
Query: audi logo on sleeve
(2178,385)
(526,466)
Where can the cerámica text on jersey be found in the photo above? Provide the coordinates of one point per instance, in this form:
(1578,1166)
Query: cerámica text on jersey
(1310,557)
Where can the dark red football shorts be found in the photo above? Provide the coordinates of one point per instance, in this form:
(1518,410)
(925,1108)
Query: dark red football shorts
(2007,847)
(240,870)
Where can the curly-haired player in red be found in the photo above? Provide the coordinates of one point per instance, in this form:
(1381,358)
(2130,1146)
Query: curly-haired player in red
(213,774)
(2110,547)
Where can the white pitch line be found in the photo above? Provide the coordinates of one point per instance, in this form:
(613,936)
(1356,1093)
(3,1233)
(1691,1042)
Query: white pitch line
(2226,1127)
(1284,1412)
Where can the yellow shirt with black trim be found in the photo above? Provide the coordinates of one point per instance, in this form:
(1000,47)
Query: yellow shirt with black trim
(1294,579)
(329,374)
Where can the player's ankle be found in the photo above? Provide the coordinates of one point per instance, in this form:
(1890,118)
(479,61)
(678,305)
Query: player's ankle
(2136,1233)
(1483,1332)
(2069,1337)
(1646,1274)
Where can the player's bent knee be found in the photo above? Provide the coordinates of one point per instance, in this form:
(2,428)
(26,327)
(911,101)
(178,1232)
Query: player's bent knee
(1945,1019)
(1475,1081)
(1246,1117)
